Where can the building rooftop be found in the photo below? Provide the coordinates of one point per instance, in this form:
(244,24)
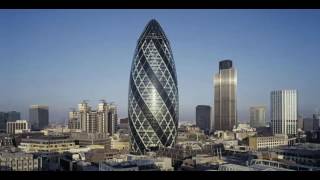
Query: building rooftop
(4,154)
(235,167)
(309,149)
(259,167)
(47,139)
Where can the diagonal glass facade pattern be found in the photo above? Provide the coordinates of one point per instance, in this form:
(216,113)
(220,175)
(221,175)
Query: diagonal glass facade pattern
(153,102)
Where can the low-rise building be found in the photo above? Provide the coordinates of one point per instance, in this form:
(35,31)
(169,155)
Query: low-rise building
(253,167)
(17,127)
(120,142)
(87,139)
(18,161)
(49,161)
(133,165)
(76,162)
(269,142)
(56,131)
(47,144)
(234,167)
(6,140)
(225,135)
(302,153)
(201,162)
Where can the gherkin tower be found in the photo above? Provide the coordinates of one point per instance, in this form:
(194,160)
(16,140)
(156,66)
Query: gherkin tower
(153,102)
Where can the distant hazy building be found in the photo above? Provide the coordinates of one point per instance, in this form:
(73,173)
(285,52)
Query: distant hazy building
(284,112)
(18,126)
(124,123)
(257,116)
(225,98)
(39,117)
(12,116)
(316,118)
(203,118)
(310,124)
(8,117)
(102,120)
(300,122)
(3,122)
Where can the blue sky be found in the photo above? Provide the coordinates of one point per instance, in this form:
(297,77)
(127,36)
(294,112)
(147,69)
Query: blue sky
(60,57)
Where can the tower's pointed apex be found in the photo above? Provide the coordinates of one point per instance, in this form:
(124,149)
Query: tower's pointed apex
(153,30)
(153,22)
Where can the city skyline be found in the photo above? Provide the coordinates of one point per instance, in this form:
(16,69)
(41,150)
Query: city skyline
(59,58)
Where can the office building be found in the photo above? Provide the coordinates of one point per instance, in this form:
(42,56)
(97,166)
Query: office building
(300,122)
(284,110)
(74,122)
(17,127)
(39,117)
(12,116)
(257,116)
(225,96)
(203,118)
(47,144)
(102,120)
(87,139)
(153,103)
(123,123)
(268,142)
(8,117)
(112,119)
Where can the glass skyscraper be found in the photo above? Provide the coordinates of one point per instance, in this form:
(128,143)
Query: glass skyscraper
(225,98)
(203,118)
(153,103)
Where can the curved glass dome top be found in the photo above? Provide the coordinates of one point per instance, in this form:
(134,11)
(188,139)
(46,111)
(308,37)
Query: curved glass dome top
(153,103)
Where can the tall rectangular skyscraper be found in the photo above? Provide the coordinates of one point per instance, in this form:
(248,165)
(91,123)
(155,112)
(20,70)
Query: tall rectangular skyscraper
(225,99)
(284,110)
(39,117)
(257,116)
(203,118)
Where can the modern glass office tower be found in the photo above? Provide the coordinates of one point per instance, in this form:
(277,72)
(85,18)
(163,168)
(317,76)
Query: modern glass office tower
(225,98)
(39,117)
(203,118)
(153,103)
(284,110)
(257,116)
